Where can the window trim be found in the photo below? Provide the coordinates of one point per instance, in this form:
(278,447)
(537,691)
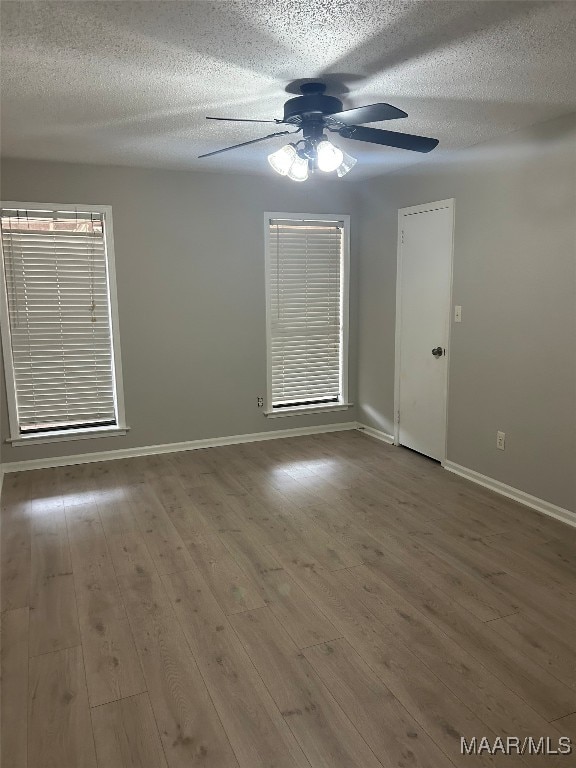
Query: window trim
(342,403)
(16,438)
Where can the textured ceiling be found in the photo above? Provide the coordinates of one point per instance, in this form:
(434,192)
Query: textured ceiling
(130,83)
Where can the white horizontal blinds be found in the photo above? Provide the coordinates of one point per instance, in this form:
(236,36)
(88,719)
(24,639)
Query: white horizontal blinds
(59,313)
(305,274)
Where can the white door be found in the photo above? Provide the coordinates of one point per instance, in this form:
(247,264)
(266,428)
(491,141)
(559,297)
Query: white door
(423,323)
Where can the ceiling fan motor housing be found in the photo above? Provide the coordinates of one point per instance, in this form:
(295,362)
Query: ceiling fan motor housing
(312,105)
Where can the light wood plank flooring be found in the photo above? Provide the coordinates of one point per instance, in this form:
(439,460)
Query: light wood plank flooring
(314,602)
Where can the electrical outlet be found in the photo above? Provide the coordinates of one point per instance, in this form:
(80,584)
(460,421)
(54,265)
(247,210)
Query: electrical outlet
(500,440)
(260,402)
(457,314)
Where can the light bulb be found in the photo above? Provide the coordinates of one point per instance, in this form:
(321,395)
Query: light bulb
(282,159)
(348,162)
(329,156)
(298,171)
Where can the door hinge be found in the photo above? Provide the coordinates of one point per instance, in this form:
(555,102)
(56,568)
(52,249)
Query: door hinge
(398,417)
(402,237)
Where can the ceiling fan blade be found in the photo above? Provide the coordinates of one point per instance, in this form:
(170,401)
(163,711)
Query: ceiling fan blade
(242,120)
(372,113)
(389,138)
(245,143)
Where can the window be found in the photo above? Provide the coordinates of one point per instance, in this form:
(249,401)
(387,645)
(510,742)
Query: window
(59,322)
(307,310)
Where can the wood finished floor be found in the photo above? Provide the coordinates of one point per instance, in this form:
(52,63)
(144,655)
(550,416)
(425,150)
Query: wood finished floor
(315,602)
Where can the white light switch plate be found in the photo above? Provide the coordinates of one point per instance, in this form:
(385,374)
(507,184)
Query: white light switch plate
(457,314)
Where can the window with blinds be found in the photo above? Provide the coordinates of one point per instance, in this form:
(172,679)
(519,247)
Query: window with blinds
(306,287)
(58,340)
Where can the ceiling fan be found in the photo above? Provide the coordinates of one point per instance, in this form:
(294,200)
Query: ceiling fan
(313,113)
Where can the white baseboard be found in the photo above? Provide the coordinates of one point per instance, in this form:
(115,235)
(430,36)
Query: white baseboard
(191,445)
(564,515)
(376,433)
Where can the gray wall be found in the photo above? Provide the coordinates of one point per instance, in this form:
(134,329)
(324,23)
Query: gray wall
(190,273)
(513,357)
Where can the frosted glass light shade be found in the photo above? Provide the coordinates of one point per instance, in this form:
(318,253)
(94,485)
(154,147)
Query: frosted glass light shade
(348,162)
(329,156)
(282,159)
(298,171)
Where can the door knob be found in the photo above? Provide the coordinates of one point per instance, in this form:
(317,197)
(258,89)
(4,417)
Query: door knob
(437,351)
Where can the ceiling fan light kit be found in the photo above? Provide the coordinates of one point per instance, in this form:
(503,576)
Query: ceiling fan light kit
(313,113)
(283,159)
(328,157)
(298,171)
(298,161)
(348,162)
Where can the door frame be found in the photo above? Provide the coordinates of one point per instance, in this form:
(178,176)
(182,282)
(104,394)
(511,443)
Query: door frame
(409,211)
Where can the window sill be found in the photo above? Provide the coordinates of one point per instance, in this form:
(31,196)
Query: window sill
(303,409)
(64,435)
